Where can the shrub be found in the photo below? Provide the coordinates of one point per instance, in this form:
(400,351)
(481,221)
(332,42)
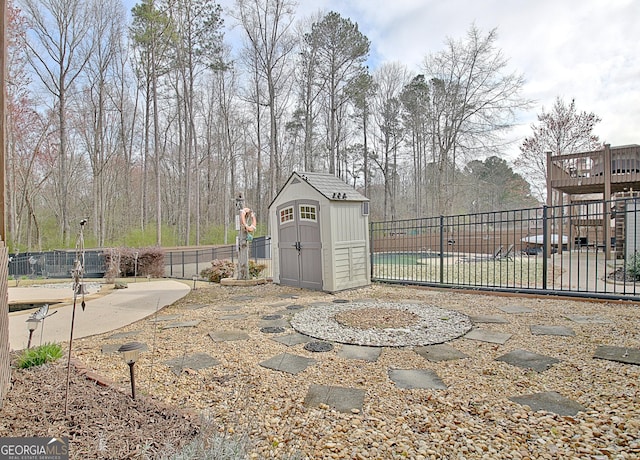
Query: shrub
(122,262)
(220,268)
(633,266)
(256,269)
(37,356)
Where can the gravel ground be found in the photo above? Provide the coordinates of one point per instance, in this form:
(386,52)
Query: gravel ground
(472,418)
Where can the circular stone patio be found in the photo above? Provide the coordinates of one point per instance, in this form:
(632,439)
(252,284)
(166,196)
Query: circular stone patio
(381,324)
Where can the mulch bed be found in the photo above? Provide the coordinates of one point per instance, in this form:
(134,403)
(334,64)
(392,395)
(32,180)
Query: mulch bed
(102,422)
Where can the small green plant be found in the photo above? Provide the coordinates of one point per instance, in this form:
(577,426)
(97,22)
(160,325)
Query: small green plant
(633,266)
(220,268)
(37,356)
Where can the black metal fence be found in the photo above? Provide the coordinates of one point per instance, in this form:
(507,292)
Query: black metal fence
(187,263)
(55,264)
(582,249)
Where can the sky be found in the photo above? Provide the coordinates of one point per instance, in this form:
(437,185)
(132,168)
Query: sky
(587,50)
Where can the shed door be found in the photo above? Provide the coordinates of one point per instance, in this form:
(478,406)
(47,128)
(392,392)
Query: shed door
(299,244)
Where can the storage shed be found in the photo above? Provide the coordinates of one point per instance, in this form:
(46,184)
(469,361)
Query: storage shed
(320,234)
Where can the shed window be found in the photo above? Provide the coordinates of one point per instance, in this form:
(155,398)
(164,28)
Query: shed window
(286,215)
(308,212)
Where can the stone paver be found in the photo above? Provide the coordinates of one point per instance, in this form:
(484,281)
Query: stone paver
(160,319)
(228,307)
(370,354)
(233,317)
(196,361)
(416,378)
(228,336)
(440,352)
(193,323)
(552,330)
(528,360)
(551,402)
(287,362)
(618,354)
(340,398)
(274,323)
(488,319)
(293,339)
(485,335)
(243,298)
(516,309)
(196,306)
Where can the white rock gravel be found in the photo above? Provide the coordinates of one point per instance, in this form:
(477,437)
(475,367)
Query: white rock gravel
(472,419)
(432,325)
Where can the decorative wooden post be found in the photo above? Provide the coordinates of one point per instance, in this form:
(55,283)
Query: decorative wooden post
(242,273)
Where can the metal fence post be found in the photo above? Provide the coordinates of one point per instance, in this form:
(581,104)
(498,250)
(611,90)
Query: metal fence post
(371,249)
(441,249)
(546,244)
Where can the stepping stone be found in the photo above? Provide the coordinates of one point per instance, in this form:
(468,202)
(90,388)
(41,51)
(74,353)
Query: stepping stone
(288,296)
(528,360)
(340,301)
(197,306)
(618,354)
(416,378)
(287,362)
(440,352)
(243,298)
(124,335)
(232,317)
(488,319)
(318,347)
(292,339)
(272,330)
(271,317)
(552,330)
(195,362)
(342,399)
(550,401)
(228,336)
(193,323)
(370,354)
(484,335)
(589,319)
(515,309)
(228,307)
(295,307)
(274,323)
(159,319)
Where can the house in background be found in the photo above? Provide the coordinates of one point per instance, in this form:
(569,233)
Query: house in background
(591,183)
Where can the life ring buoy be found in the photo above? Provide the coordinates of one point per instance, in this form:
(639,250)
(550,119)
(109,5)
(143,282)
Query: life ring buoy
(246,214)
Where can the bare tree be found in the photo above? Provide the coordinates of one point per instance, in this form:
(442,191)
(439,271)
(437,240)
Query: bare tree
(99,130)
(561,130)
(58,53)
(473,100)
(390,80)
(151,33)
(270,43)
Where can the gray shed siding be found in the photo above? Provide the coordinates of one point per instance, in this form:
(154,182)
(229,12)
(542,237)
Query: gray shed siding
(348,256)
